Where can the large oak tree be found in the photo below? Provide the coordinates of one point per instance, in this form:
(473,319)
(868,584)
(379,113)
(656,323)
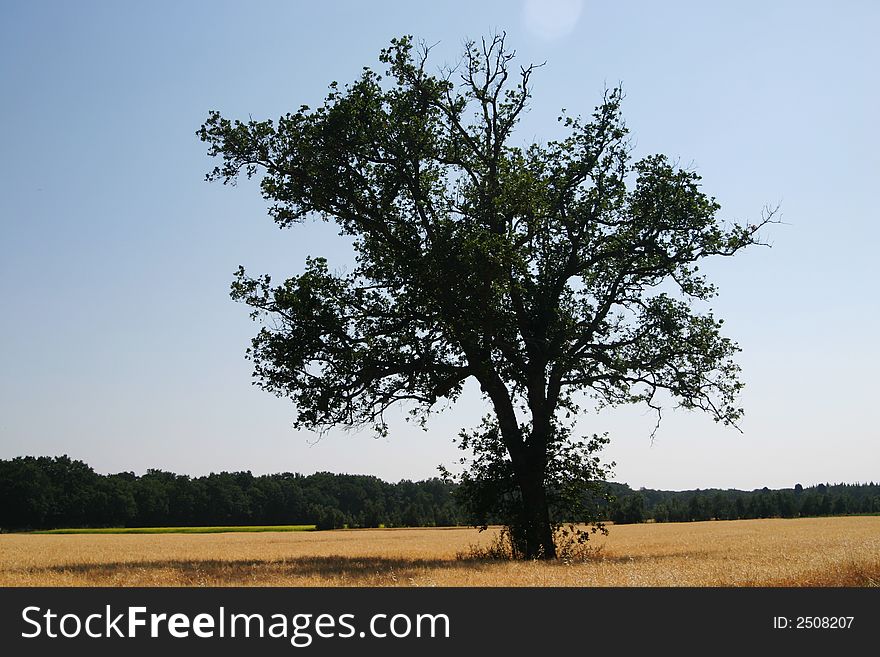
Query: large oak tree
(543,271)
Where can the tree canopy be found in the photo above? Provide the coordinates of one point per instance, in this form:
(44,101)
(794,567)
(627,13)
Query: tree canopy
(544,271)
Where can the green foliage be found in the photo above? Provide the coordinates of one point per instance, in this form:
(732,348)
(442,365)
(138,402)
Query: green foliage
(290,501)
(574,481)
(42,493)
(697,505)
(629,510)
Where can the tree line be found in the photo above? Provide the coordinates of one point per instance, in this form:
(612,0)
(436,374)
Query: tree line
(47,493)
(55,492)
(629,506)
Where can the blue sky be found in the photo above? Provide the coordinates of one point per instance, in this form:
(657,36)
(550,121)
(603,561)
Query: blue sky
(119,344)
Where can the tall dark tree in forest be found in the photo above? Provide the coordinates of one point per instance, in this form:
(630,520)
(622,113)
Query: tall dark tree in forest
(543,271)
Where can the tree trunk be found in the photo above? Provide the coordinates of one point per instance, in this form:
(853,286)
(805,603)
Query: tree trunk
(534,537)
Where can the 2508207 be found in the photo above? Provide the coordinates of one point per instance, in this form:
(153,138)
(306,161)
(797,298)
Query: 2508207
(824,622)
(813,622)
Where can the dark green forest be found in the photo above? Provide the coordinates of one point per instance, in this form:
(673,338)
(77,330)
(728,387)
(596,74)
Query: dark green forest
(55,492)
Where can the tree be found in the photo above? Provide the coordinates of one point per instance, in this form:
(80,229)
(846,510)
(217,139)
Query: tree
(542,271)
(629,510)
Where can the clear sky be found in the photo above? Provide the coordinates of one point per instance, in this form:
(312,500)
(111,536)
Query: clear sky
(119,344)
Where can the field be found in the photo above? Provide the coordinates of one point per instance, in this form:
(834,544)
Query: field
(841,551)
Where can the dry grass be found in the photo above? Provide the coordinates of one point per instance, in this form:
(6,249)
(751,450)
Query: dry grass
(802,552)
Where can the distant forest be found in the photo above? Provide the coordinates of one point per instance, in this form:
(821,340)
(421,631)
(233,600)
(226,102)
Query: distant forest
(58,492)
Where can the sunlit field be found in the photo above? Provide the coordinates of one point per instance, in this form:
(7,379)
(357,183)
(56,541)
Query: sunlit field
(843,551)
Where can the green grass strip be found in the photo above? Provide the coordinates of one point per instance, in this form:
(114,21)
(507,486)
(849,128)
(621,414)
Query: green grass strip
(179,530)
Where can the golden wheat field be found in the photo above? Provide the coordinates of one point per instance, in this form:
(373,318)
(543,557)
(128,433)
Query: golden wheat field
(799,552)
